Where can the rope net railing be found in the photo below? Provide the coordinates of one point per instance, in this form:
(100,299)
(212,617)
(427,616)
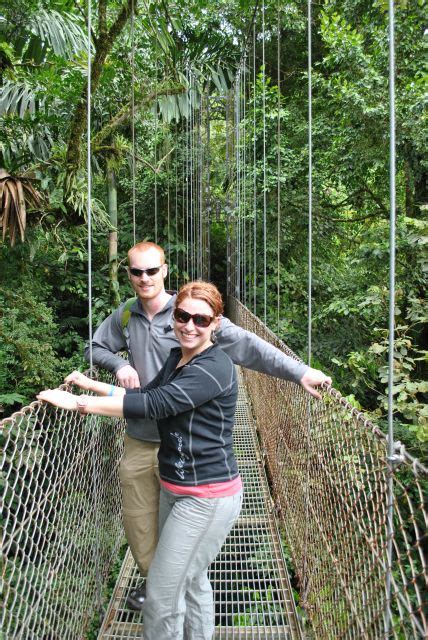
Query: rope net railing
(61,520)
(329,470)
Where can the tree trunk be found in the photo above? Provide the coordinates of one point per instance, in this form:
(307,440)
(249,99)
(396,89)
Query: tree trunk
(112,244)
(104,44)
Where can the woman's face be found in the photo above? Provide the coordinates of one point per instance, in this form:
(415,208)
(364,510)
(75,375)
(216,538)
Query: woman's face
(192,337)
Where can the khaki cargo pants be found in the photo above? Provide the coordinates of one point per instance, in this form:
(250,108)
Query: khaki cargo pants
(139,479)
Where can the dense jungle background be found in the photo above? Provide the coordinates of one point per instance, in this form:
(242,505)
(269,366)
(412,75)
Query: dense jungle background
(161,60)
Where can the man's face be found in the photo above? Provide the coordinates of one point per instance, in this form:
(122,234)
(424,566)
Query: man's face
(147,287)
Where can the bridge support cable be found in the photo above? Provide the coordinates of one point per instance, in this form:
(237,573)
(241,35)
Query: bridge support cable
(264,168)
(254,176)
(278,171)
(391,454)
(133,184)
(94,469)
(306,486)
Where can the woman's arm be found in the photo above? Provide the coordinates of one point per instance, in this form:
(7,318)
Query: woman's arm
(100,388)
(110,406)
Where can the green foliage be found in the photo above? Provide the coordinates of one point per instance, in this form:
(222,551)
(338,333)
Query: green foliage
(28,364)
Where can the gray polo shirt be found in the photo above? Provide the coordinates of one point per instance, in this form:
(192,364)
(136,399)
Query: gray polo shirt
(150,342)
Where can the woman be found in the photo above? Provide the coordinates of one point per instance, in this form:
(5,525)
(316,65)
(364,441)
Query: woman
(193,399)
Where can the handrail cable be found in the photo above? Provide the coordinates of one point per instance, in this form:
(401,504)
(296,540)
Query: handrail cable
(390,513)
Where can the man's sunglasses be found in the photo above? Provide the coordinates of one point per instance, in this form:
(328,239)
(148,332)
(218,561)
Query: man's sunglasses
(199,320)
(139,272)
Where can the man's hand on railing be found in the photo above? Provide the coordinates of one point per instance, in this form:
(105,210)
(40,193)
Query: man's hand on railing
(314,378)
(127,377)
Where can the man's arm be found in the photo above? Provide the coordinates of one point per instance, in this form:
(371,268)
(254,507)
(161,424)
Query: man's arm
(248,350)
(108,339)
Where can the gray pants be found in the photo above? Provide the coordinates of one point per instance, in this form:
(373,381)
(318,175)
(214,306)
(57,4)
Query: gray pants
(179,599)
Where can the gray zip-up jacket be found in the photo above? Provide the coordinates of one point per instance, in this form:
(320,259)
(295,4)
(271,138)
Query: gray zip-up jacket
(150,342)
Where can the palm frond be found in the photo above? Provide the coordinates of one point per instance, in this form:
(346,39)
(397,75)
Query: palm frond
(60,31)
(16,193)
(17,98)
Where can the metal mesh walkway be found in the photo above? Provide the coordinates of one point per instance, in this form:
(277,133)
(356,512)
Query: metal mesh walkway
(252,593)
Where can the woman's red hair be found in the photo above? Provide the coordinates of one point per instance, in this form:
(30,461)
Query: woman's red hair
(202,291)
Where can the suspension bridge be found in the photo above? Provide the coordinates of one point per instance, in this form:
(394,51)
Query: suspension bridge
(316,495)
(331,542)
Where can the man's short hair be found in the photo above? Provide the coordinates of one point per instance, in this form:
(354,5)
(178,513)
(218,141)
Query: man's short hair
(144,246)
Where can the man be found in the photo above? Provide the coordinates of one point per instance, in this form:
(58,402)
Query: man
(144,330)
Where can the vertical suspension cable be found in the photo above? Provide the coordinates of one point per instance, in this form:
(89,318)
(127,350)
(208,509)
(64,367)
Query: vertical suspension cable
(168,213)
(309,182)
(191,152)
(176,203)
(94,468)
(237,191)
(244,183)
(264,170)
(254,176)
(305,578)
(278,247)
(133,117)
(89,186)
(228,245)
(201,199)
(156,147)
(392,180)
(188,175)
(208,182)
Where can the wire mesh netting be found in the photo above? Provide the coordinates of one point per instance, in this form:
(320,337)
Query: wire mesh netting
(329,470)
(61,520)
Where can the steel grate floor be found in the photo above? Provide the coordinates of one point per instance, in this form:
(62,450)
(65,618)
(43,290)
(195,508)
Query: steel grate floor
(252,593)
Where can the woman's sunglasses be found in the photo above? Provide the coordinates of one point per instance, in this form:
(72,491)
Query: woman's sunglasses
(199,320)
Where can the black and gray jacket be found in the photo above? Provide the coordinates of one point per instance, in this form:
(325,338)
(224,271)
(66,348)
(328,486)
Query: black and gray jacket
(194,406)
(150,342)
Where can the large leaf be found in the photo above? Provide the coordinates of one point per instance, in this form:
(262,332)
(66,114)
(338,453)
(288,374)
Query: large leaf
(17,98)
(61,31)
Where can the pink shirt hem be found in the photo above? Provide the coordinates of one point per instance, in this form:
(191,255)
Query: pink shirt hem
(213,490)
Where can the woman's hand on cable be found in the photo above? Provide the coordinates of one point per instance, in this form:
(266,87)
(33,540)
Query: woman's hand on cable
(61,399)
(314,378)
(79,379)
